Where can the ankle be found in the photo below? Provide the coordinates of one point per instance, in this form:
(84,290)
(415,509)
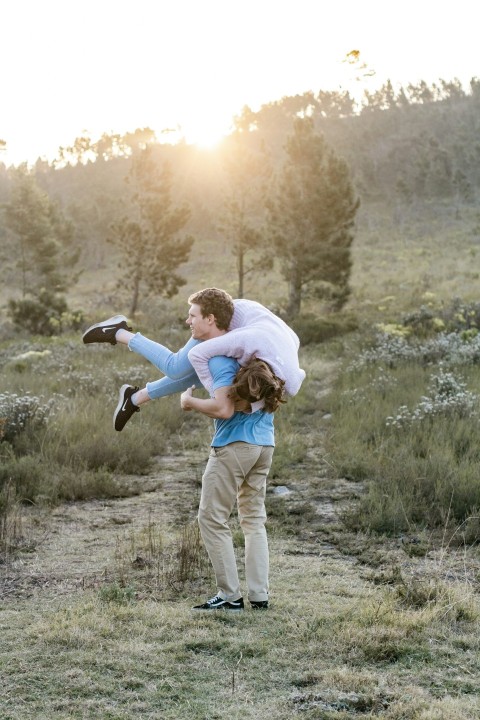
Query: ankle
(140,397)
(123,336)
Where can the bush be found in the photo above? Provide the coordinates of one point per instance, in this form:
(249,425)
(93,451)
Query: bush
(313,329)
(45,313)
(19,411)
(408,428)
(25,475)
(458,317)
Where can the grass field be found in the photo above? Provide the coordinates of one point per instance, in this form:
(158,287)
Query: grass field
(100,568)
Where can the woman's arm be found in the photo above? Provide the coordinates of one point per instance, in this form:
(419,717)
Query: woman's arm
(240,344)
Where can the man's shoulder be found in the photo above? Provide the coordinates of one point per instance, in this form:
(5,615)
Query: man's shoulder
(221,363)
(223,370)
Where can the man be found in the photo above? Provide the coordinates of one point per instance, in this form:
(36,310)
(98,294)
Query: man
(240,458)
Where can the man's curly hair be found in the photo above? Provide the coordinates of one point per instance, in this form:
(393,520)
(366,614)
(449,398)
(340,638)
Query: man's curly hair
(257,381)
(213,301)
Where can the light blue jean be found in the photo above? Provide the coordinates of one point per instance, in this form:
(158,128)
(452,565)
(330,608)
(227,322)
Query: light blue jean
(179,372)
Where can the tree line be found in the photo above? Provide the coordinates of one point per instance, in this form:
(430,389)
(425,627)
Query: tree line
(304,218)
(283,187)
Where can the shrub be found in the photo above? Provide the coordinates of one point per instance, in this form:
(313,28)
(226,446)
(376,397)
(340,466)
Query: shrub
(448,396)
(73,484)
(18,411)
(41,314)
(25,474)
(313,329)
(410,432)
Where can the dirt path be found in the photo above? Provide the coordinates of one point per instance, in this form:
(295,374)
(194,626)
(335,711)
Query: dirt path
(76,544)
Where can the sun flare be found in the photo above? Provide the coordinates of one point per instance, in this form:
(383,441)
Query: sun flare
(205,132)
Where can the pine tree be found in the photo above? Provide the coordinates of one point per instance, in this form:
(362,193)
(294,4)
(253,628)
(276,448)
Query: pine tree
(312,214)
(41,250)
(148,237)
(247,172)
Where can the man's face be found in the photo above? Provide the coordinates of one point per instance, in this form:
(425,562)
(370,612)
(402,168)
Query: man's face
(201,327)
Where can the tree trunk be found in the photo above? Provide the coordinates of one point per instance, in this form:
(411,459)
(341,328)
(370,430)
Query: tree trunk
(241,271)
(136,293)
(294,294)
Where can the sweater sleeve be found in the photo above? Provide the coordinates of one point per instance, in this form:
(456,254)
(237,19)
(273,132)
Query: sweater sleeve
(254,332)
(233,344)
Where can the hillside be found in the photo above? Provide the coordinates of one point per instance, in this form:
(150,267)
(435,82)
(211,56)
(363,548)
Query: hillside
(414,159)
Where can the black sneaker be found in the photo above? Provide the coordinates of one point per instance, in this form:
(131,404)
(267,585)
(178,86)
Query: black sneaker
(105,331)
(259,604)
(218,603)
(125,407)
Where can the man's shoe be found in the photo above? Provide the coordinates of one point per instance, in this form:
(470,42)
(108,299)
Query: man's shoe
(105,331)
(125,408)
(259,604)
(218,603)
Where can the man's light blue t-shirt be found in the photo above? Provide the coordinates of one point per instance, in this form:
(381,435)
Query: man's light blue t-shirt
(255,428)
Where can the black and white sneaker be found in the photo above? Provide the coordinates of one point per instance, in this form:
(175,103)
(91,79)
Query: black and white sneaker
(259,604)
(125,408)
(218,603)
(105,331)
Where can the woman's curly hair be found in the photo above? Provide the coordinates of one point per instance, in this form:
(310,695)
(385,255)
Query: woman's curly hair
(257,381)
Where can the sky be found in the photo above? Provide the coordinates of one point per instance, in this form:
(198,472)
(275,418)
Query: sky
(70,66)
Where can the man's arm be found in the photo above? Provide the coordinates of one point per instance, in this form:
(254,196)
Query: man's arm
(220,406)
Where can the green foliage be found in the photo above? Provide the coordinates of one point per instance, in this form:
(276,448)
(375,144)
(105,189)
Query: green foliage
(456,317)
(115,593)
(312,215)
(44,313)
(42,236)
(64,447)
(148,238)
(312,329)
(409,431)
(25,476)
(41,248)
(247,173)
(16,412)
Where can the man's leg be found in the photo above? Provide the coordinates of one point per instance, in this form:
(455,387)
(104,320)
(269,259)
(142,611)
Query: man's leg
(252,515)
(219,493)
(226,473)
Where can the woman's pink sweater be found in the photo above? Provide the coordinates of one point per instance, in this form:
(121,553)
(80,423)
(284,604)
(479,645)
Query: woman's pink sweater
(254,332)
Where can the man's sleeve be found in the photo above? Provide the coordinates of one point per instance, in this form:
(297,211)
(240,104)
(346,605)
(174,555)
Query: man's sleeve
(223,370)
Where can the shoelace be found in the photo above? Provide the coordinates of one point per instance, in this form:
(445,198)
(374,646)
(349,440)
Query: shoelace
(214,600)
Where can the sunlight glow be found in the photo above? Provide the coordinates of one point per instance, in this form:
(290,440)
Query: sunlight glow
(207,131)
(203,131)
(212,72)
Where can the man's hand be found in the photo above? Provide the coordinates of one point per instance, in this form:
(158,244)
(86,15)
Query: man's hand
(219,406)
(185,398)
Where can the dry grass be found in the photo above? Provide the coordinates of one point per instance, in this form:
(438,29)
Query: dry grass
(97,621)
(95,613)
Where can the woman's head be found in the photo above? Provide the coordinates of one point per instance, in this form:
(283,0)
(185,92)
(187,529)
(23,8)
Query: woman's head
(256,381)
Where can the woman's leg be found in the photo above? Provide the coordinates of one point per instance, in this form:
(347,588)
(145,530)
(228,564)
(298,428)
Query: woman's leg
(175,365)
(179,372)
(166,386)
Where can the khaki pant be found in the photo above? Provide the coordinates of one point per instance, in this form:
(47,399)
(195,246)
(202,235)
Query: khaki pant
(236,472)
